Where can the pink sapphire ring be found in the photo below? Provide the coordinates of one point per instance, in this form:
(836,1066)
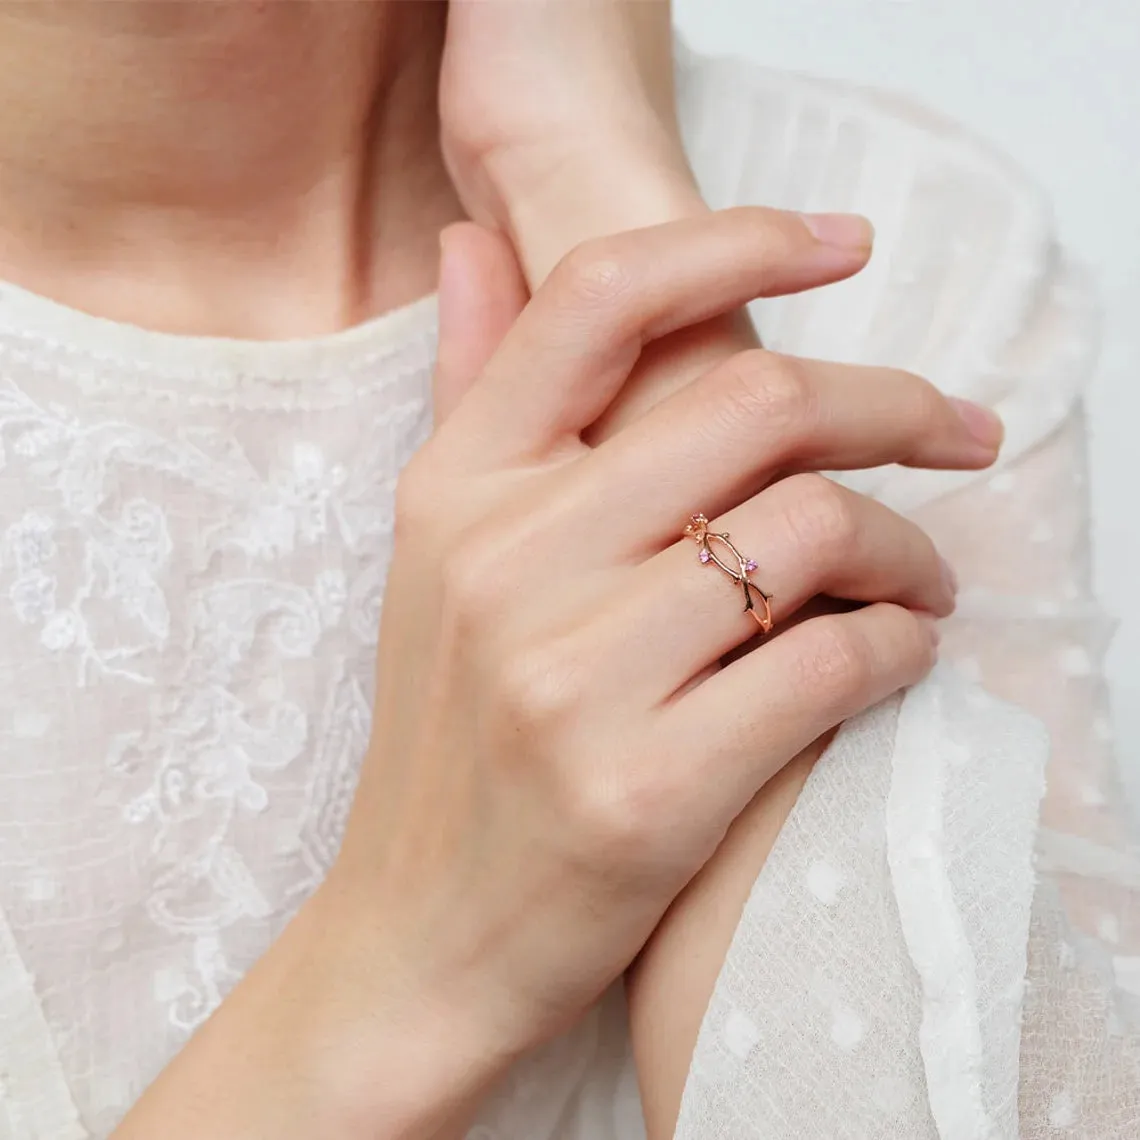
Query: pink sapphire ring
(726,558)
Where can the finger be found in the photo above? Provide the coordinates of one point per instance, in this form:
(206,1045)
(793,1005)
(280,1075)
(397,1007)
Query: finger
(481,293)
(573,347)
(666,366)
(740,726)
(760,415)
(809,537)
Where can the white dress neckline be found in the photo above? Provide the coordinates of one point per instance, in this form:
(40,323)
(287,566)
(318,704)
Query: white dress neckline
(202,367)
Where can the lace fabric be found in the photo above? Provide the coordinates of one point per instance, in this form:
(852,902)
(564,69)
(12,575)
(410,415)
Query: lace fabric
(189,598)
(194,537)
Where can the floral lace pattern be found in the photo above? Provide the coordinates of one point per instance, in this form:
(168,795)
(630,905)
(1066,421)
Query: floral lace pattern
(196,598)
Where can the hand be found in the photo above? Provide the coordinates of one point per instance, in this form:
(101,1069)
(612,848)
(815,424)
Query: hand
(554,755)
(555,110)
(559,125)
(552,758)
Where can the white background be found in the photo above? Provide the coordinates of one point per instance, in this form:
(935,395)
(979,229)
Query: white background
(1057,84)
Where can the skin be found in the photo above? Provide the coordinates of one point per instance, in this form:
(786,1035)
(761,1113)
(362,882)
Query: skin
(545,186)
(276,167)
(222,216)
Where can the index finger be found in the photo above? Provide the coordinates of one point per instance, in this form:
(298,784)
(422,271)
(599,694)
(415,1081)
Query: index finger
(574,345)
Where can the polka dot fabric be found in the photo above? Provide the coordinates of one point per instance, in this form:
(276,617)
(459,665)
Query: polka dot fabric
(945,942)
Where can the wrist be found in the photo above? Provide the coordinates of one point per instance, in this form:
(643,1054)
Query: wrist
(554,197)
(398,1057)
(326,1037)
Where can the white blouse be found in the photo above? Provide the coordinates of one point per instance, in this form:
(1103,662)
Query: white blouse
(194,536)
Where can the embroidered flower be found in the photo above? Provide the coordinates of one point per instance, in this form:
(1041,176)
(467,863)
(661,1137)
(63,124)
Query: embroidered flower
(33,597)
(61,631)
(331,590)
(30,542)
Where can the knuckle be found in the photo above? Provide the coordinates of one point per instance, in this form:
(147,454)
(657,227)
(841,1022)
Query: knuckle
(471,582)
(837,665)
(592,275)
(540,688)
(927,405)
(786,387)
(615,819)
(785,227)
(773,391)
(779,234)
(824,516)
(931,403)
(919,649)
(483,566)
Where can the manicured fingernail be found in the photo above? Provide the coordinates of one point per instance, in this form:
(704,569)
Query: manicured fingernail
(844,231)
(949,577)
(982,424)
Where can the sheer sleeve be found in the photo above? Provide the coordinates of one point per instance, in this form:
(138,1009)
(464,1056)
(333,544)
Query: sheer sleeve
(969,288)
(1029,631)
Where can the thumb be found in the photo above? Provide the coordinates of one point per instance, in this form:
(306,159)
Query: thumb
(481,293)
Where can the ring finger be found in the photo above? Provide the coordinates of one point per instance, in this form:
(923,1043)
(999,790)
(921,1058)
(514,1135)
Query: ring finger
(809,537)
(759,414)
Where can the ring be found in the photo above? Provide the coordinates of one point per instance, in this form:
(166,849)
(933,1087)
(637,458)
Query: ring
(756,602)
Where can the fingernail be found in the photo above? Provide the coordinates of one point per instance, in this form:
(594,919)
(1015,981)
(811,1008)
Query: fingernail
(984,425)
(844,231)
(949,577)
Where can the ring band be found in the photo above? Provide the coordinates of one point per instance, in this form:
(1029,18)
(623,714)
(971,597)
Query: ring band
(756,602)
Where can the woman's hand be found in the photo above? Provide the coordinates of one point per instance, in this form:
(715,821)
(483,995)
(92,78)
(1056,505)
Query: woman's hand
(559,125)
(558,120)
(553,755)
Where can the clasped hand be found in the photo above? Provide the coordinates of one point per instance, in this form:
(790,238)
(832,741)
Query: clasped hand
(556,751)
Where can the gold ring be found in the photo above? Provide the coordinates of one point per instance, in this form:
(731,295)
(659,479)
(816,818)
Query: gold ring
(756,602)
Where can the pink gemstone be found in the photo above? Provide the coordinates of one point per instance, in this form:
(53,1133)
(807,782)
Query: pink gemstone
(749,566)
(705,556)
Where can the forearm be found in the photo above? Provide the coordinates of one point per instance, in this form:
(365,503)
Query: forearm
(317,1043)
(670,984)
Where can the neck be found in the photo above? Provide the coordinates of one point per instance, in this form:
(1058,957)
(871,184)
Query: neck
(238,167)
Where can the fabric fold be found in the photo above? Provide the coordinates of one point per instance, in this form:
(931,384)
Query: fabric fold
(964,910)
(34,1098)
